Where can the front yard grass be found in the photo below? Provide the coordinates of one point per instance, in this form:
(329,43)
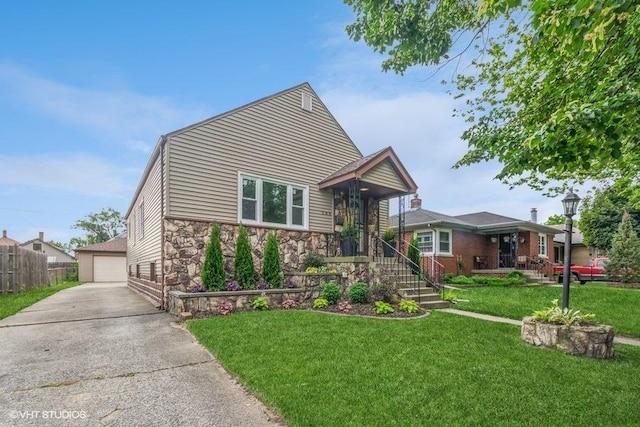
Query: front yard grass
(617,307)
(317,369)
(10,304)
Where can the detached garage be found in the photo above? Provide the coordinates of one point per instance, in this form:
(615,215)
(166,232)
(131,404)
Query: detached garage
(103,262)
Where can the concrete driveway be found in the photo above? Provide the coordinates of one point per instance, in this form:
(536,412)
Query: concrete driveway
(101,355)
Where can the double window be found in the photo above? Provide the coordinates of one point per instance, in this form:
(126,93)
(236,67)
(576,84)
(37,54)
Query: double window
(271,202)
(435,239)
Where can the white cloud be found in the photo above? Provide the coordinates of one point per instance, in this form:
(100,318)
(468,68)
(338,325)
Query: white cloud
(67,173)
(131,119)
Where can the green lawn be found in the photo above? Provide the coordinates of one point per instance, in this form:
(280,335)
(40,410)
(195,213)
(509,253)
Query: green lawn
(323,370)
(10,304)
(617,307)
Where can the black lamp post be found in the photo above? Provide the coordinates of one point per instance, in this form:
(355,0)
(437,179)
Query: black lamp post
(570,204)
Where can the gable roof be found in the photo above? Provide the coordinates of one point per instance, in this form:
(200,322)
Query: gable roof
(164,138)
(576,235)
(7,241)
(117,244)
(486,218)
(357,170)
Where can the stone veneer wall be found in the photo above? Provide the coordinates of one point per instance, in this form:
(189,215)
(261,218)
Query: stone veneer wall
(185,243)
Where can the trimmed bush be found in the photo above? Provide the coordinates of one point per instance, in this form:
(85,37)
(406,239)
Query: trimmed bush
(313,260)
(213,274)
(359,293)
(413,253)
(331,292)
(382,292)
(271,269)
(244,272)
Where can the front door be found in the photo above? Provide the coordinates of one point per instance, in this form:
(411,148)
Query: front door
(507,250)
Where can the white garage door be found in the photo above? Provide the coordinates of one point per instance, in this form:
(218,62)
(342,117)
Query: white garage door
(109,269)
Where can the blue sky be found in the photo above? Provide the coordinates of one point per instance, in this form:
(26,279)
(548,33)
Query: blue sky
(87,87)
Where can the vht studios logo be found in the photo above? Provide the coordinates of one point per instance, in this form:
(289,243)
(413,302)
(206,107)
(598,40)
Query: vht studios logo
(62,415)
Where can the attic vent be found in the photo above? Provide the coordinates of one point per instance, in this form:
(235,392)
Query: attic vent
(307,101)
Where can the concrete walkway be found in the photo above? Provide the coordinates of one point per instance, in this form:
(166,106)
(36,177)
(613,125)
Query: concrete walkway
(101,355)
(616,339)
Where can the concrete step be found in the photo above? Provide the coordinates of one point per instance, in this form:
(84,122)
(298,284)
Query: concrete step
(434,305)
(422,297)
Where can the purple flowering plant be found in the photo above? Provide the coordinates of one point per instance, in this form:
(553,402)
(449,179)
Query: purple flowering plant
(262,285)
(224,308)
(196,288)
(232,286)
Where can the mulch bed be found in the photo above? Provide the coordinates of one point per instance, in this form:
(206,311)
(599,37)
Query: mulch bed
(368,310)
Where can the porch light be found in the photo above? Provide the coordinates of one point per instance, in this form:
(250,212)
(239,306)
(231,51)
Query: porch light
(570,204)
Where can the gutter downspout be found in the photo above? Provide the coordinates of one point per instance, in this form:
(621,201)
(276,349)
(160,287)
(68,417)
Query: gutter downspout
(162,190)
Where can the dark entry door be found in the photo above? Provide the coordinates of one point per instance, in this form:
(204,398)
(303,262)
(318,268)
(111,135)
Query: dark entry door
(507,250)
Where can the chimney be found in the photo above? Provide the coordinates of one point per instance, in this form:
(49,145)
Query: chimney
(41,236)
(534,215)
(4,234)
(416,203)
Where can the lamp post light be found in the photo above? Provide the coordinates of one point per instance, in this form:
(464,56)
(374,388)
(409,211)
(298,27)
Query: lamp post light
(570,204)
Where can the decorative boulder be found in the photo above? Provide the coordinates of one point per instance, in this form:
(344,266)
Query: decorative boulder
(593,340)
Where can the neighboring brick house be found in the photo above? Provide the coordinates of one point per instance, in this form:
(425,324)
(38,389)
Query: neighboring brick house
(280,163)
(477,241)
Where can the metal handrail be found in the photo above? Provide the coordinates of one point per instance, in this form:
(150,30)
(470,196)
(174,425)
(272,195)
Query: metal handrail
(436,273)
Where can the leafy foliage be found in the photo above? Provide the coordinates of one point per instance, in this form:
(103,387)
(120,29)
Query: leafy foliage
(271,268)
(232,286)
(413,253)
(320,303)
(568,317)
(601,214)
(260,303)
(624,256)
(552,87)
(557,219)
(359,293)
(513,278)
(313,260)
(382,292)
(195,288)
(389,236)
(225,307)
(381,307)
(244,272)
(450,295)
(213,274)
(289,304)
(331,292)
(344,306)
(99,227)
(409,305)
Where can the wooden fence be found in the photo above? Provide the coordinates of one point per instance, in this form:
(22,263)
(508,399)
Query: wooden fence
(22,269)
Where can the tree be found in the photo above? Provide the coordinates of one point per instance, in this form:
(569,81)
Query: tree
(624,256)
(100,227)
(601,213)
(552,89)
(271,269)
(413,253)
(556,219)
(213,274)
(244,272)
(66,247)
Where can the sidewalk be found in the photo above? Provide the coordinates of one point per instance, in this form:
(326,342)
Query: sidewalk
(617,339)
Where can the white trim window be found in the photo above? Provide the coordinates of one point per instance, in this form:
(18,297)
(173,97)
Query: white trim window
(141,220)
(266,201)
(542,245)
(429,240)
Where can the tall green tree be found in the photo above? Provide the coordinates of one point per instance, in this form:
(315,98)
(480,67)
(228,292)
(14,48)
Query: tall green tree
(601,214)
(552,88)
(244,271)
(271,268)
(413,253)
(557,219)
(99,227)
(213,274)
(624,256)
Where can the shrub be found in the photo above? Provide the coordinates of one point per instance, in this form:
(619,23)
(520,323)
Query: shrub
(243,271)
(320,303)
(262,285)
(382,307)
(232,286)
(213,274)
(448,277)
(289,303)
(516,274)
(480,280)
(462,280)
(409,305)
(555,314)
(196,288)
(313,260)
(225,307)
(331,292)
(359,293)
(413,253)
(344,306)
(260,303)
(271,269)
(381,292)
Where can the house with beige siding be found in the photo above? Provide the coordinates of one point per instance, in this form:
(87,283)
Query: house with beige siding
(54,253)
(280,163)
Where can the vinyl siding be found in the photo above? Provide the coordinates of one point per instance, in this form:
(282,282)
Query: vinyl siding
(384,215)
(147,249)
(384,175)
(85,267)
(273,138)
